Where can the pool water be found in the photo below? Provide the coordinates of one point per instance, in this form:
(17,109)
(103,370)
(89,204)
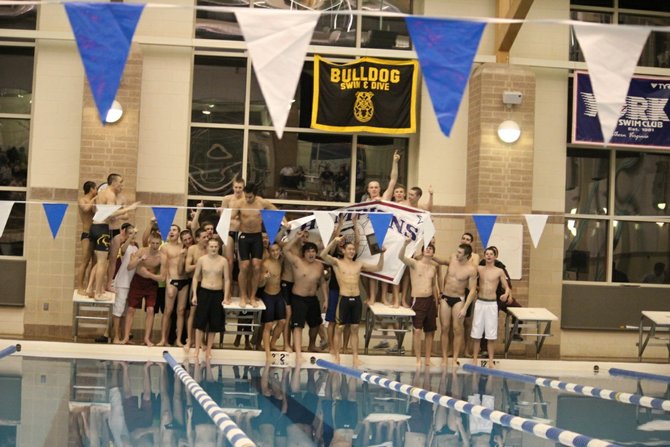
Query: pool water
(101,403)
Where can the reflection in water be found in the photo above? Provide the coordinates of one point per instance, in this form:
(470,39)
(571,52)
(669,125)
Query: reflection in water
(95,403)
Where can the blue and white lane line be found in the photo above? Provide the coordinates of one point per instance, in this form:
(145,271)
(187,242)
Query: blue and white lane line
(9,350)
(538,429)
(229,429)
(639,375)
(602,393)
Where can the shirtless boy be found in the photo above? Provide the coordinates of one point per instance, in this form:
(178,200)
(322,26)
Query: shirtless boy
(100,233)
(176,287)
(485,319)
(144,285)
(423,282)
(308,276)
(275,307)
(194,253)
(460,276)
(211,290)
(250,242)
(86,216)
(349,306)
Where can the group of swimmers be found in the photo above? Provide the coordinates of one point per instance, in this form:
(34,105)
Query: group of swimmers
(203,270)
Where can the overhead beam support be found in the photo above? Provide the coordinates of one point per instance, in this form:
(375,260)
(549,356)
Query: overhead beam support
(506,32)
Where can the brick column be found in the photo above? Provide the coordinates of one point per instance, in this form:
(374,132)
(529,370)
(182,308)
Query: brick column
(500,175)
(113,147)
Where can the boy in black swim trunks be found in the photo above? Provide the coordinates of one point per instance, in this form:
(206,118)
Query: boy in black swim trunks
(461,276)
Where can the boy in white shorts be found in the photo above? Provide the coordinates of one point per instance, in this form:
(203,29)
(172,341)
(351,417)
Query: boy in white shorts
(485,319)
(122,280)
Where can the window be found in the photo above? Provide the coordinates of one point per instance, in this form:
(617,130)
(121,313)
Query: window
(15,104)
(616,215)
(656,52)
(232,133)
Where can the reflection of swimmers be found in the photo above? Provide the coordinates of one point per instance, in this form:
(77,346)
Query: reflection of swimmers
(421,413)
(481,430)
(448,428)
(300,409)
(344,410)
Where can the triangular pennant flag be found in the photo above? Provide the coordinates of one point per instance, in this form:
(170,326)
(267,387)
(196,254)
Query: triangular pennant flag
(5,209)
(102,212)
(325,225)
(380,225)
(536,223)
(223,227)
(611,54)
(164,218)
(55,213)
(272,221)
(484,224)
(428,230)
(277,42)
(446,50)
(103,32)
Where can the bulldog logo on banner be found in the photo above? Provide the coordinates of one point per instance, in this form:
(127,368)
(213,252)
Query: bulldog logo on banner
(371,95)
(405,222)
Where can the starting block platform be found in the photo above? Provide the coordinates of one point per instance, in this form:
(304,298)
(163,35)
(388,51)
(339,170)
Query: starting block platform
(658,321)
(537,318)
(91,313)
(380,314)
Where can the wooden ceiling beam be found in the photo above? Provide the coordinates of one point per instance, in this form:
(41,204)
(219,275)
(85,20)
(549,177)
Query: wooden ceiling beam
(506,32)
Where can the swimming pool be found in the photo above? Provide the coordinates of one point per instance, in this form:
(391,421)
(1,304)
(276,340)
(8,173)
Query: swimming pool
(60,401)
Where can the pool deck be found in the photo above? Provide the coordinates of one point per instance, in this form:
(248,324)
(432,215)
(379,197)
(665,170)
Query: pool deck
(140,353)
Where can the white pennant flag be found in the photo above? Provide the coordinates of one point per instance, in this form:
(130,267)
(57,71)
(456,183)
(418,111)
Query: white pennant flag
(5,209)
(428,231)
(102,212)
(536,223)
(611,54)
(325,224)
(223,226)
(277,42)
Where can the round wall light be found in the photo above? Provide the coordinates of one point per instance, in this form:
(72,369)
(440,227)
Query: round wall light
(114,113)
(509,131)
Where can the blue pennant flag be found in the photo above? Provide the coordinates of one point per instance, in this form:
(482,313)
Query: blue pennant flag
(380,225)
(484,223)
(103,32)
(272,221)
(164,218)
(55,213)
(446,50)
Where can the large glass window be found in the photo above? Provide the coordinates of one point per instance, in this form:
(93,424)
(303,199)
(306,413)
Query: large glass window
(18,16)
(16,81)
(616,224)
(656,52)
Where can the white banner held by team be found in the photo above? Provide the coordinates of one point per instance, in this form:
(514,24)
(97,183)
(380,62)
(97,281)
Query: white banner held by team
(406,222)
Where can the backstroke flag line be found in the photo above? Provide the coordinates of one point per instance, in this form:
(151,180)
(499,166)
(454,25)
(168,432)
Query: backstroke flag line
(164,218)
(325,225)
(484,224)
(611,54)
(102,212)
(272,221)
(223,226)
(380,225)
(55,213)
(446,50)
(277,42)
(536,223)
(5,209)
(103,32)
